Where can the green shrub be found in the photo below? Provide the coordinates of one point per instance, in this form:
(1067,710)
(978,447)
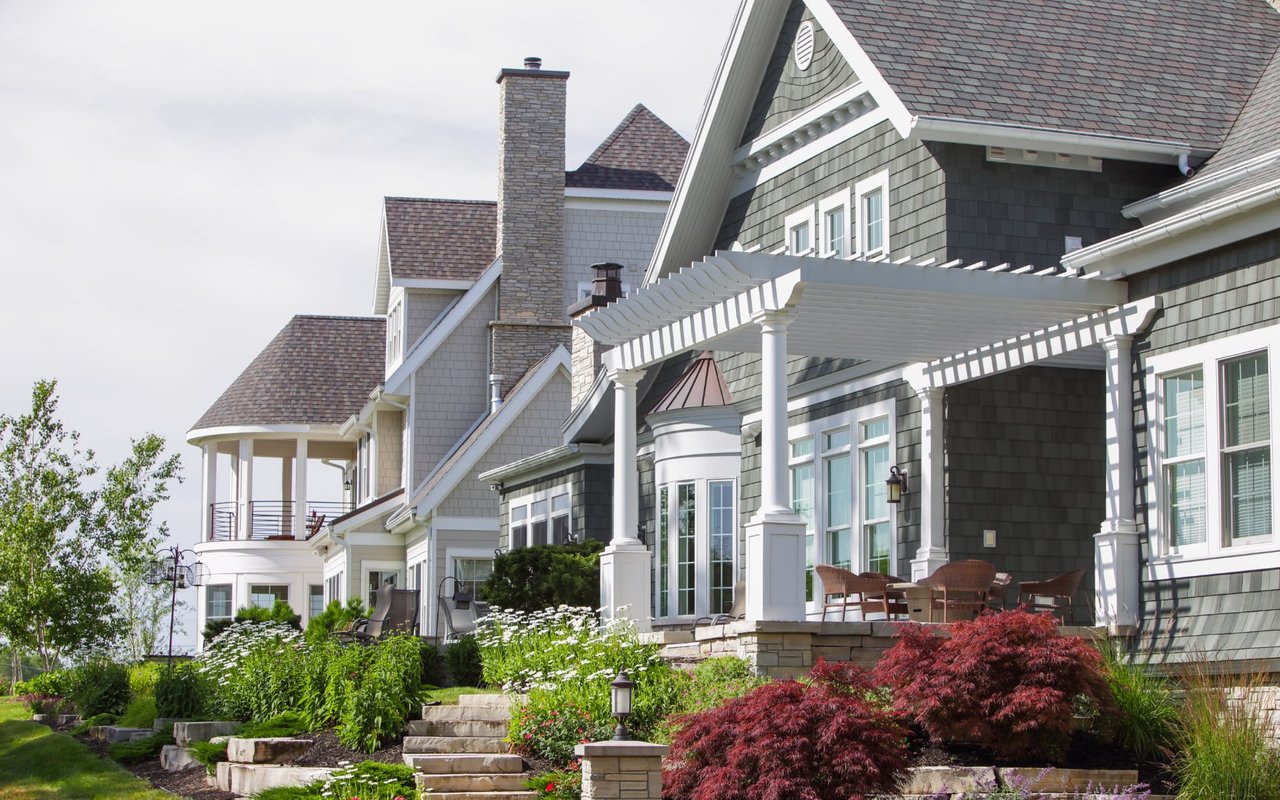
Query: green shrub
(335,617)
(248,668)
(309,792)
(710,684)
(563,784)
(143,677)
(140,713)
(209,754)
(100,687)
(44,703)
(463,661)
(377,701)
(279,612)
(530,579)
(1147,710)
(139,749)
(92,722)
(181,692)
(371,780)
(57,682)
(1222,741)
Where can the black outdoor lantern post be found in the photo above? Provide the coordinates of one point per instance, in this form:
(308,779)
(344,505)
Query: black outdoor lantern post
(621,689)
(896,484)
(168,567)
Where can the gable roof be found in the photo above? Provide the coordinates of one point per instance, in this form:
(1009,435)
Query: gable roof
(1257,129)
(642,153)
(316,371)
(1172,70)
(437,239)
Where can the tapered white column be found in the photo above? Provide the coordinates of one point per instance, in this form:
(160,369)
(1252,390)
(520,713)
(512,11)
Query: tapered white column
(1117,549)
(244,483)
(775,535)
(300,490)
(209,492)
(931,484)
(624,564)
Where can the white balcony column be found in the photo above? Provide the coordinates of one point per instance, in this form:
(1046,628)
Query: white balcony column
(1117,549)
(931,484)
(300,490)
(286,496)
(624,564)
(244,486)
(775,535)
(209,490)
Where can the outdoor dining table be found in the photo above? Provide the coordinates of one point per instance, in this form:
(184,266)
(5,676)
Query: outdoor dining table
(918,597)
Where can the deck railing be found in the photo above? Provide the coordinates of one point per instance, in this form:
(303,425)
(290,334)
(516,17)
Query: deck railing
(268,519)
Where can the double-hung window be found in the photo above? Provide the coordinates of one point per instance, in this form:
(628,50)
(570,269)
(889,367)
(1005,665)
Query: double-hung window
(694,559)
(545,518)
(1213,477)
(217,601)
(333,588)
(799,227)
(263,595)
(838,469)
(833,214)
(873,215)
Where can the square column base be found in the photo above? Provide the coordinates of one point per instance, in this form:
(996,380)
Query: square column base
(625,574)
(926,562)
(775,568)
(1117,556)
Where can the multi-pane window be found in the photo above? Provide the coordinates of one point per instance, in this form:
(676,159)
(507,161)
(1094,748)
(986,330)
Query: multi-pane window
(541,520)
(560,518)
(663,545)
(834,232)
(686,547)
(333,588)
(853,220)
(1246,447)
(262,595)
(315,597)
(379,578)
(721,536)
(838,488)
(799,238)
(519,527)
(538,522)
(217,601)
(873,220)
(1184,448)
(471,572)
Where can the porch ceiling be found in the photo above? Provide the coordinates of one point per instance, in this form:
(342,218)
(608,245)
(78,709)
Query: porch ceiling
(895,312)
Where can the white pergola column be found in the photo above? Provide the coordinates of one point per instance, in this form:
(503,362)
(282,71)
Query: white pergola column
(1117,549)
(300,490)
(209,491)
(931,485)
(287,511)
(775,535)
(244,486)
(624,564)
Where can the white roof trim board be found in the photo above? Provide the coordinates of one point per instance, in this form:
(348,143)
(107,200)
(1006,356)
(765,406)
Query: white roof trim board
(892,311)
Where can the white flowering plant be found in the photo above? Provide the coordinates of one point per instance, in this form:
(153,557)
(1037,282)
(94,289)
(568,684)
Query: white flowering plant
(253,669)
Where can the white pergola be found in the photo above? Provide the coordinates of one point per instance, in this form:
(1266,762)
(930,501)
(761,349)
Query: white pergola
(949,322)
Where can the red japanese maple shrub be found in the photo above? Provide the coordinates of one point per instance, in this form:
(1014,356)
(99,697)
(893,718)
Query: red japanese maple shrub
(1005,681)
(825,738)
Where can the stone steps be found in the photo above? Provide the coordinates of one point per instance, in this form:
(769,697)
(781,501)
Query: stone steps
(459,753)
(478,728)
(476,713)
(521,795)
(454,744)
(472,781)
(464,763)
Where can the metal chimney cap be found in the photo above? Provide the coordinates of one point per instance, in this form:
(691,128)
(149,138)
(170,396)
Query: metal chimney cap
(532,62)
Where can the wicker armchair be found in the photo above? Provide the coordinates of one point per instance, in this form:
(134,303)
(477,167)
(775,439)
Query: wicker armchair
(868,595)
(960,585)
(1056,594)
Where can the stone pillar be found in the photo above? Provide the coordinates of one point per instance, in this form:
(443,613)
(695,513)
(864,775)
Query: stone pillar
(624,564)
(931,483)
(244,483)
(1117,549)
(775,536)
(300,490)
(621,770)
(209,493)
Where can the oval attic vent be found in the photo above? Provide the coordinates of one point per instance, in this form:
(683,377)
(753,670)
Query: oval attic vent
(804,46)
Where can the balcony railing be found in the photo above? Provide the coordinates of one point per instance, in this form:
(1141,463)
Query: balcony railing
(268,519)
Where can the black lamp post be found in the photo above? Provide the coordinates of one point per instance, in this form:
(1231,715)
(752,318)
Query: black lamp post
(168,567)
(896,484)
(621,690)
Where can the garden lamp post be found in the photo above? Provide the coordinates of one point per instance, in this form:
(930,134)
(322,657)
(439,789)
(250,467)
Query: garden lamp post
(621,690)
(168,567)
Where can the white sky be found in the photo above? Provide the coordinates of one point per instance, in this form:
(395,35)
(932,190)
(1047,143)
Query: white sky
(178,179)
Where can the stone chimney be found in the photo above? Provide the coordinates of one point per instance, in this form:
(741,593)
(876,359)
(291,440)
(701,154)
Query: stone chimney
(605,289)
(531,161)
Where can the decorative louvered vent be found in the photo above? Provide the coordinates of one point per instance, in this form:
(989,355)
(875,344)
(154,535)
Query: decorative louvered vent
(804,46)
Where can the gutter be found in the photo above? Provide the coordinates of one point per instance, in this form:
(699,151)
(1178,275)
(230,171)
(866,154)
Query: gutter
(1052,139)
(1194,189)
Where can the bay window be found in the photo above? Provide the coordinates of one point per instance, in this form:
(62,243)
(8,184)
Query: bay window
(694,558)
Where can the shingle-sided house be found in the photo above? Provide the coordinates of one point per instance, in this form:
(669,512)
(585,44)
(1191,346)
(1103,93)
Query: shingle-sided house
(1026,253)
(463,366)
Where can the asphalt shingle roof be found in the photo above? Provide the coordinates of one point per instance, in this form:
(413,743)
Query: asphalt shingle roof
(316,371)
(642,153)
(1257,130)
(440,239)
(1173,70)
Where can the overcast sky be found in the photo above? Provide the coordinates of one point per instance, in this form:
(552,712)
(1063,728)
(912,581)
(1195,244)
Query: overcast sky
(178,179)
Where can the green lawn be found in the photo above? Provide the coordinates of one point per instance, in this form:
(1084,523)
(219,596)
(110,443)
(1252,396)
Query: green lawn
(38,764)
(449,695)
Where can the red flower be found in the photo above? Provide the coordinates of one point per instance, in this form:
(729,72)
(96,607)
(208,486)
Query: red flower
(551,787)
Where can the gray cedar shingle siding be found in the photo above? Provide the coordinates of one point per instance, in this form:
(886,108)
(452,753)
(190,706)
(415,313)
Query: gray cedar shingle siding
(316,371)
(1026,457)
(591,499)
(1208,296)
(440,239)
(787,90)
(1170,70)
(643,153)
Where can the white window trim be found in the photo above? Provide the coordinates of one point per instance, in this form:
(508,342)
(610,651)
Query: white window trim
(379,566)
(802,218)
(231,600)
(1211,557)
(452,553)
(840,199)
(395,333)
(701,544)
(527,502)
(863,188)
(815,428)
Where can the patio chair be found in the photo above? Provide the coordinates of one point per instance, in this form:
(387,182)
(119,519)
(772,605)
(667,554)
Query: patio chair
(459,609)
(897,597)
(868,595)
(381,607)
(960,585)
(999,589)
(736,612)
(1056,594)
(314,523)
